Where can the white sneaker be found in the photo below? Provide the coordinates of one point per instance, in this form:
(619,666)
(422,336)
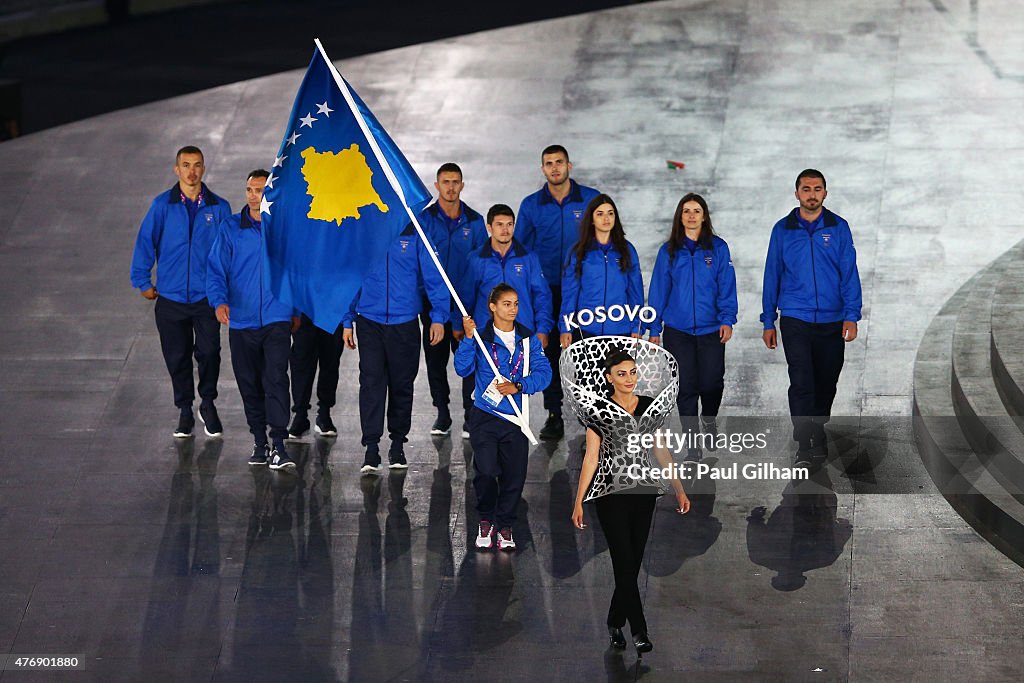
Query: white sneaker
(485,536)
(371,469)
(465,434)
(505,540)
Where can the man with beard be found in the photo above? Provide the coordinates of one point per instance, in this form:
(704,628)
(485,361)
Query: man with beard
(810,276)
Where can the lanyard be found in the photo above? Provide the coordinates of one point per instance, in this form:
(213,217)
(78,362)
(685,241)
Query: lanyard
(187,202)
(515,365)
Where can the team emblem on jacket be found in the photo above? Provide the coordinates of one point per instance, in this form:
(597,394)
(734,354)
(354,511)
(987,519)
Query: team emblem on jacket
(465,232)
(518,267)
(707,259)
(577,214)
(825,237)
(404,244)
(209,217)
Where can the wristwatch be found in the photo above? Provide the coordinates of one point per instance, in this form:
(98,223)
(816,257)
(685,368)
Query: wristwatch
(519,386)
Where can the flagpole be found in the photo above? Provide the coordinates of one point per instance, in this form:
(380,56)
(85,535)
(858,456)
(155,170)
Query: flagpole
(397,187)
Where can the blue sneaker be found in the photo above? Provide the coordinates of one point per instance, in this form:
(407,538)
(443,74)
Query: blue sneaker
(279,459)
(260,455)
(186,423)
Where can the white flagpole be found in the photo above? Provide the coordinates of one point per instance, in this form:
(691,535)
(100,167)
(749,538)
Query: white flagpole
(522,423)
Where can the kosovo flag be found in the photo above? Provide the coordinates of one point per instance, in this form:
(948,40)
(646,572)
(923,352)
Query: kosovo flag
(335,199)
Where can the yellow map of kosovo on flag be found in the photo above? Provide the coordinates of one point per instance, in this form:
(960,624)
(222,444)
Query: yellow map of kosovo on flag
(340,184)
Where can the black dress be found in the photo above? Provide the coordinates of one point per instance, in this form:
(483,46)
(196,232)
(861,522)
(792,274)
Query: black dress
(625,518)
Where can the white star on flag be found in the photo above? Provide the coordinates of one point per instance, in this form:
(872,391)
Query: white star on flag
(279,161)
(270,181)
(324,109)
(265,205)
(293,137)
(307,120)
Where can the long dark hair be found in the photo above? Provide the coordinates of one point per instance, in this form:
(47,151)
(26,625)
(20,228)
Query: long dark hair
(588,235)
(707,231)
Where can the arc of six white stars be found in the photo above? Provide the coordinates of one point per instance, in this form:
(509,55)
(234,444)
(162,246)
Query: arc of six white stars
(307,120)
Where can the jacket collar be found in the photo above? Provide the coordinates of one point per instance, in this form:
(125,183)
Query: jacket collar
(245,221)
(467,215)
(596,246)
(574,193)
(828,219)
(487,331)
(516,249)
(209,198)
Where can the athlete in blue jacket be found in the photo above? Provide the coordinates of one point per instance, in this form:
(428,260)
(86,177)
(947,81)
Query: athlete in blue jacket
(384,312)
(260,325)
(500,449)
(693,290)
(457,232)
(810,275)
(602,275)
(549,222)
(175,236)
(503,259)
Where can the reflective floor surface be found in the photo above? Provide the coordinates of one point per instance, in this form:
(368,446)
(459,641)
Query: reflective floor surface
(156,559)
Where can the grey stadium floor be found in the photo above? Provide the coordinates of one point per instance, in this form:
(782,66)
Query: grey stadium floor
(166,560)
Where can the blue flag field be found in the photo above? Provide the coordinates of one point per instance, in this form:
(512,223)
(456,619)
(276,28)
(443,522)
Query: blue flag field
(330,210)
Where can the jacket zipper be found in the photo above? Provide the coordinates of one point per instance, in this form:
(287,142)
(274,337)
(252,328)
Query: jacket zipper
(605,299)
(188,262)
(693,289)
(261,281)
(451,238)
(814,275)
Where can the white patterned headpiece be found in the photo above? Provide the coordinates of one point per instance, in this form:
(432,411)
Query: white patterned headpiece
(587,393)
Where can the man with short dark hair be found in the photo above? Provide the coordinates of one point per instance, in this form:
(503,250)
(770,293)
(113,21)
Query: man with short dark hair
(260,325)
(810,275)
(502,259)
(505,259)
(175,236)
(549,222)
(457,231)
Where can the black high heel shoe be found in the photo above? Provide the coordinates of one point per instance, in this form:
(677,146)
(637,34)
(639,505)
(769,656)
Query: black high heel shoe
(618,640)
(643,643)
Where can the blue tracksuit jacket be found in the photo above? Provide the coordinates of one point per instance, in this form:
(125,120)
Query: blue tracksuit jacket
(694,292)
(177,245)
(811,276)
(235,275)
(469,361)
(522,270)
(391,294)
(602,284)
(549,229)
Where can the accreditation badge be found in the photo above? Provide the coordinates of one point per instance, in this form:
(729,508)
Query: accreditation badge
(492,396)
